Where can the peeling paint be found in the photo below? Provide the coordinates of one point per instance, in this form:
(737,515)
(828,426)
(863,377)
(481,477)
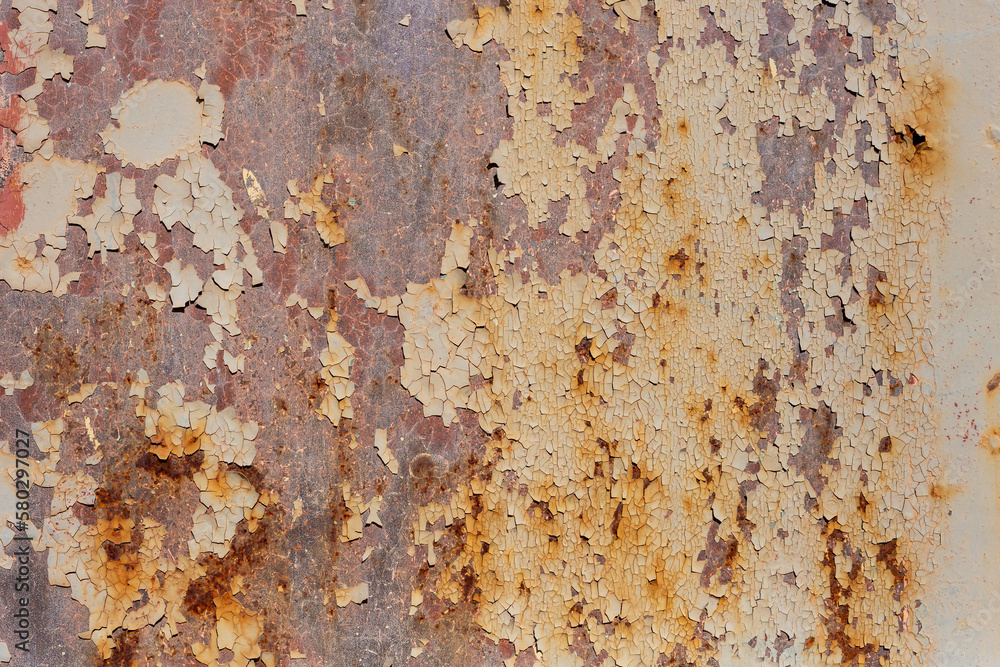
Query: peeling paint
(671,399)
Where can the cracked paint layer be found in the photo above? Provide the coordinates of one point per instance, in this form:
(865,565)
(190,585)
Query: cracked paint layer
(651,483)
(669,400)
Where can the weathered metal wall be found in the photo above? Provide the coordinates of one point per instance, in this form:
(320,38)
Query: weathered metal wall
(559,332)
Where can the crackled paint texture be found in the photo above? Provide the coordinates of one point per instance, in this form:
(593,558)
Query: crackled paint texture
(539,332)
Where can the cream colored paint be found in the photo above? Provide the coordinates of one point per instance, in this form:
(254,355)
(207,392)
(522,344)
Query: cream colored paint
(963,595)
(157,120)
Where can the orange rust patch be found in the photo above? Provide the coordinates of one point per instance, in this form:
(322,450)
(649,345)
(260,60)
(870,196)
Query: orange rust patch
(920,133)
(943,492)
(57,363)
(990,440)
(248,550)
(840,628)
(124,653)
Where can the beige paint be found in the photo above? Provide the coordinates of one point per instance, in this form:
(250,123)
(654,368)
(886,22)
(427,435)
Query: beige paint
(156,120)
(963,596)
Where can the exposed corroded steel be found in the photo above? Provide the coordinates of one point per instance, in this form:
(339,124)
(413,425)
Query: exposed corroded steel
(548,331)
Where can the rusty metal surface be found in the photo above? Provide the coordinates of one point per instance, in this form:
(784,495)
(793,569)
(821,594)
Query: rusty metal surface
(382,84)
(380,87)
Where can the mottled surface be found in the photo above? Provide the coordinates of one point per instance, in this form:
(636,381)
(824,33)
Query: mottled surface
(776,229)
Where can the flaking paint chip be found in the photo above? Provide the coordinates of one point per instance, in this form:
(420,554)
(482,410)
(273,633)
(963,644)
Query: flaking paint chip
(186,285)
(148,241)
(111,218)
(384,453)
(337,359)
(416,599)
(279,236)
(86,11)
(356,594)
(95,38)
(9,384)
(374,505)
(253,187)
(302,202)
(157,295)
(86,391)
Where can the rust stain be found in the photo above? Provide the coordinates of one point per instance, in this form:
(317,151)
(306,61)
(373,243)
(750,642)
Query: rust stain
(994,382)
(11,204)
(920,133)
(57,360)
